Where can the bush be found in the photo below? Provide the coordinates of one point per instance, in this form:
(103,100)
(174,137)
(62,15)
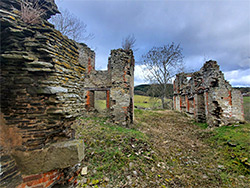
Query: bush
(31,12)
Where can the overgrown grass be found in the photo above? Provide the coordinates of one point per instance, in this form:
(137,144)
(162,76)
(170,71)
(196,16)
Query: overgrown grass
(100,105)
(139,101)
(112,151)
(146,102)
(124,155)
(201,125)
(145,115)
(234,144)
(246,99)
(31,12)
(246,103)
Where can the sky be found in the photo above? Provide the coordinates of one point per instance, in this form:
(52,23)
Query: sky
(205,29)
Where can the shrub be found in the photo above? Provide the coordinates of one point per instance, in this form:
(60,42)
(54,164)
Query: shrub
(31,12)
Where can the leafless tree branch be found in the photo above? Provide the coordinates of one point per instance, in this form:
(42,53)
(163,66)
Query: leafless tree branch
(71,26)
(161,64)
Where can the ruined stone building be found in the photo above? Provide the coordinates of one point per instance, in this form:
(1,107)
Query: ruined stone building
(47,81)
(208,97)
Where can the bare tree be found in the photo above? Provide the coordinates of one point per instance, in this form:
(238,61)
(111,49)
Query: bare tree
(161,64)
(128,42)
(68,24)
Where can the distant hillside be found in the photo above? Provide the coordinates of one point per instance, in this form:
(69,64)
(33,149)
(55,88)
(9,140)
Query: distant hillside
(244,90)
(142,89)
(145,90)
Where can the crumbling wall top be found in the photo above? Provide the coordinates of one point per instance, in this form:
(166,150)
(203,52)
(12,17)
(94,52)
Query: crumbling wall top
(209,76)
(207,96)
(210,65)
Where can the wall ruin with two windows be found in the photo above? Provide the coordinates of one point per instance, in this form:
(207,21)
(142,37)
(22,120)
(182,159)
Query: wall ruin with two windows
(208,97)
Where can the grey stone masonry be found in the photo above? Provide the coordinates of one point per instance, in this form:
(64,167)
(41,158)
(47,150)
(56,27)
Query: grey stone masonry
(121,68)
(208,97)
(117,82)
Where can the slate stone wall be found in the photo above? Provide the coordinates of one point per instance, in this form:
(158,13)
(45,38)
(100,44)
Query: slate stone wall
(208,97)
(42,83)
(47,81)
(10,175)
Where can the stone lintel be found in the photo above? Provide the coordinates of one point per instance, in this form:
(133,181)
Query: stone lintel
(57,156)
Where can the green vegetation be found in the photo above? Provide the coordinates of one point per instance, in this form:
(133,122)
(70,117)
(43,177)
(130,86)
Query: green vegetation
(142,89)
(164,149)
(197,156)
(201,125)
(146,102)
(233,143)
(139,101)
(146,90)
(246,101)
(113,152)
(243,89)
(150,102)
(100,105)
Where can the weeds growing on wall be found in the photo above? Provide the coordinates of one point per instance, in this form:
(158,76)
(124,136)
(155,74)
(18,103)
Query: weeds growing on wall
(31,12)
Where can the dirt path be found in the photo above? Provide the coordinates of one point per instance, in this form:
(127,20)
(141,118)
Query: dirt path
(188,159)
(163,149)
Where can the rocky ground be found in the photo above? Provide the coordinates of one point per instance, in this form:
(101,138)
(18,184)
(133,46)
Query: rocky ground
(163,149)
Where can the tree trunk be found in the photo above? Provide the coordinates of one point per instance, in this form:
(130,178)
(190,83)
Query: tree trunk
(164,94)
(162,101)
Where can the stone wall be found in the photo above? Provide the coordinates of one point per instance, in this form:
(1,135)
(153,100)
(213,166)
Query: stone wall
(208,97)
(117,82)
(121,68)
(47,81)
(41,95)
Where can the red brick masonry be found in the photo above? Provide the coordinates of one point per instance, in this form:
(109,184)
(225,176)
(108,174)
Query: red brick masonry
(41,180)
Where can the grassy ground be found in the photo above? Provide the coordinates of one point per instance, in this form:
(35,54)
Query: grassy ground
(154,103)
(142,102)
(139,101)
(100,105)
(146,102)
(115,156)
(246,101)
(164,149)
(234,144)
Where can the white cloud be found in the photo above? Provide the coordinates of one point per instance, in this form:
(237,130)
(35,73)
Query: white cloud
(140,75)
(238,78)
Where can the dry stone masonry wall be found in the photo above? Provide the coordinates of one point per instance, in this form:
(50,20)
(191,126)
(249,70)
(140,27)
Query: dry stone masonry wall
(47,81)
(208,97)
(121,69)
(118,84)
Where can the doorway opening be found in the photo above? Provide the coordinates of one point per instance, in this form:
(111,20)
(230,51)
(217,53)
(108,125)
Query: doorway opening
(98,99)
(201,112)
